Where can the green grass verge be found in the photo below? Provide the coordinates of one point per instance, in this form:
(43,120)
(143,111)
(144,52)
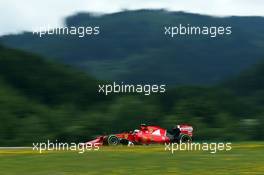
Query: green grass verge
(244,158)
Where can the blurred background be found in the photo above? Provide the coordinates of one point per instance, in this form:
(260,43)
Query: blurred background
(49,85)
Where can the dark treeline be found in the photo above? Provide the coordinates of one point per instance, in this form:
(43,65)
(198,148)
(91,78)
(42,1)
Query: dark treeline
(40,100)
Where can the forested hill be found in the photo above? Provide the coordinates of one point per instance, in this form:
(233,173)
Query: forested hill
(132,47)
(42,100)
(44,81)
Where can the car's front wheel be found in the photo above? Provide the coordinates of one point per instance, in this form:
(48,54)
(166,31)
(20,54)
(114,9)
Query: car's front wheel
(184,138)
(113,140)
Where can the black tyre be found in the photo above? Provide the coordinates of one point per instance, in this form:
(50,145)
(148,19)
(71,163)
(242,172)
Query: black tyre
(184,138)
(113,140)
(124,142)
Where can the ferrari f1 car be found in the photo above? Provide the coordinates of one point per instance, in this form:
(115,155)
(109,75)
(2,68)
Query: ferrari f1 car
(147,135)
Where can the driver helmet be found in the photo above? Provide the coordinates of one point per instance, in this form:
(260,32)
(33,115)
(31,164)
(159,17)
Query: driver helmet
(143,126)
(136,131)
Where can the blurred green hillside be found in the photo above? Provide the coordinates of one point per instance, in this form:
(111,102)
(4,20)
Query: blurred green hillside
(38,97)
(132,47)
(42,100)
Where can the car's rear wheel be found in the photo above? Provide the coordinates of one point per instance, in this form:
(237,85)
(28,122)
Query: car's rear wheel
(113,140)
(184,138)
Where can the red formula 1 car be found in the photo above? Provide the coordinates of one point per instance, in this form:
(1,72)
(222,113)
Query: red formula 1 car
(147,135)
